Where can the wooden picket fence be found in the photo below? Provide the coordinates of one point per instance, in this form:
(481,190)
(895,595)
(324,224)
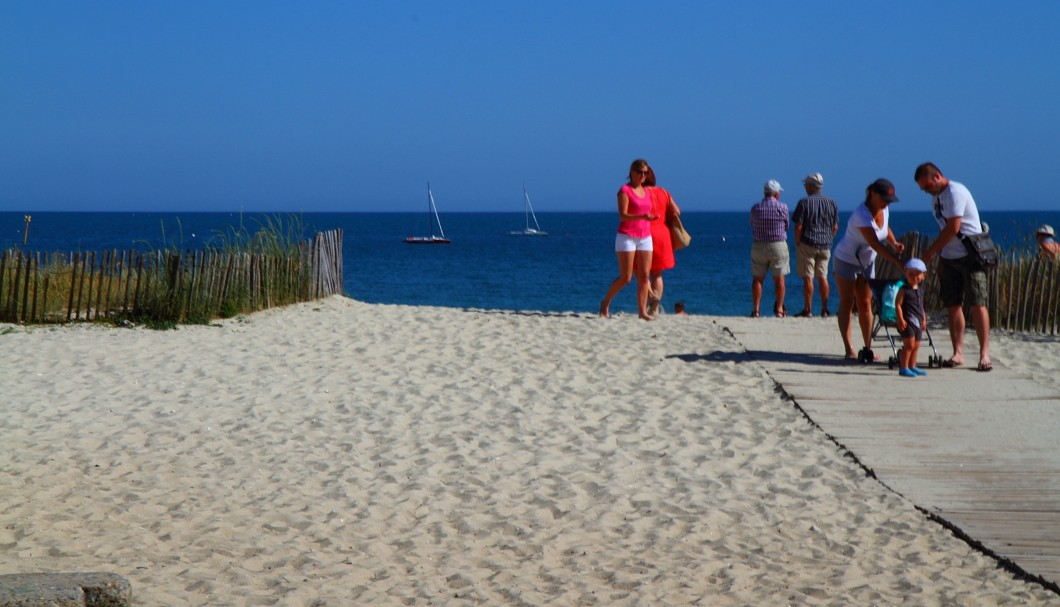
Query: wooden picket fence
(1024,289)
(167,286)
(1025,295)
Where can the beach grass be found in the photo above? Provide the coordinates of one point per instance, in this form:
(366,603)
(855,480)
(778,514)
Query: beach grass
(238,272)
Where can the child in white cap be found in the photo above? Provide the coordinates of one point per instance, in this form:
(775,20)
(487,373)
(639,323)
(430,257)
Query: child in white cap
(909,304)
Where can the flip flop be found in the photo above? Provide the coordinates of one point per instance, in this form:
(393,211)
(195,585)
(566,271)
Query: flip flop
(755,314)
(984,367)
(950,364)
(804,314)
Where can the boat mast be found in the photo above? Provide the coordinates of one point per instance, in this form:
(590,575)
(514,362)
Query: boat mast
(530,212)
(433,210)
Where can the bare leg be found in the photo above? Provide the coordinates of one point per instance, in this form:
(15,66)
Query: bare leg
(807,294)
(625,274)
(823,289)
(863,298)
(655,294)
(914,353)
(780,290)
(907,357)
(981,320)
(756,294)
(845,312)
(657,285)
(956,321)
(643,275)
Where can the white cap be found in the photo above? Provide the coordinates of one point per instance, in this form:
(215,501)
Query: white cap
(814,178)
(1046,229)
(773,186)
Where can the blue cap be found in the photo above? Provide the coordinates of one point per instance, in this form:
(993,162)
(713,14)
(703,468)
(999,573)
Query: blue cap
(915,264)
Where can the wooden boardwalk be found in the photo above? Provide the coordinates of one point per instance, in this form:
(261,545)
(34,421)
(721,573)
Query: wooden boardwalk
(976,451)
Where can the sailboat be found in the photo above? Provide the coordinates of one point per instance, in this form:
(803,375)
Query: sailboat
(432,218)
(534,231)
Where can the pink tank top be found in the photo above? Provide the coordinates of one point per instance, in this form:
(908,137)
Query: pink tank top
(638,205)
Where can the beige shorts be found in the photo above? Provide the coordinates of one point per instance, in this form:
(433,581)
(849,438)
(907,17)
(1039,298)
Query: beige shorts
(810,261)
(766,256)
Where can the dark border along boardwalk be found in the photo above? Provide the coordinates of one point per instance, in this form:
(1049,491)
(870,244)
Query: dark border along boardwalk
(976,451)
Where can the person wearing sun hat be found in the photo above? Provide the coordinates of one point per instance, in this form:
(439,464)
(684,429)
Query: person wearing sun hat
(816,220)
(769,251)
(1048,248)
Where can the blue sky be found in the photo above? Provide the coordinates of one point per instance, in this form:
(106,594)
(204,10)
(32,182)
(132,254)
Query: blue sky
(353,106)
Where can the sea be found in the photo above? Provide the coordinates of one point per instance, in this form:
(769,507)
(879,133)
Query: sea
(567,271)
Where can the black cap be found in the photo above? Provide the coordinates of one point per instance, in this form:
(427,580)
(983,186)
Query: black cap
(884,188)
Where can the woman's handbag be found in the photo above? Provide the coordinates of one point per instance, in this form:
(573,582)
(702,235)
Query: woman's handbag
(678,236)
(982,249)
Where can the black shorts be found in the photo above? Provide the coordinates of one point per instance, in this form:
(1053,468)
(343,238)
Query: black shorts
(913,331)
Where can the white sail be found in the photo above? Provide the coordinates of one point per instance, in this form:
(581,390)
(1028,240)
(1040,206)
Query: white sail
(529,212)
(432,218)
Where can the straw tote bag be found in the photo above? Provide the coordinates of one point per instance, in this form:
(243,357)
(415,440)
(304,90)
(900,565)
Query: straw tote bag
(678,235)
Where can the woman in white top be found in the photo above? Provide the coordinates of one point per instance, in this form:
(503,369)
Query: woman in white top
(855,257)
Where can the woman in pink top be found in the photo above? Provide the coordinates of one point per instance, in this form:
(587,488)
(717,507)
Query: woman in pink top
(633,242)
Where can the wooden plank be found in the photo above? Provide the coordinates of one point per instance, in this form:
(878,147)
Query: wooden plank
(945,442)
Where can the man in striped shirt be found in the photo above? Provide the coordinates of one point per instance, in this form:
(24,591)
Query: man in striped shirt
(769,251)
(816,223)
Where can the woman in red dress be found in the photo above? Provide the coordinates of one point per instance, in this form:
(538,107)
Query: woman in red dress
(662,258)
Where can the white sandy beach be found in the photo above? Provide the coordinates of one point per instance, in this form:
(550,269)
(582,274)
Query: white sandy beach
(340,453)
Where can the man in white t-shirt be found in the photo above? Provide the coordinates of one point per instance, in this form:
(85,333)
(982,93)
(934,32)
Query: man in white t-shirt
(961,281)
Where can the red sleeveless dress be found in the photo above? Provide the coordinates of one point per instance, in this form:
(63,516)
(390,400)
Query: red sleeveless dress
(662,256)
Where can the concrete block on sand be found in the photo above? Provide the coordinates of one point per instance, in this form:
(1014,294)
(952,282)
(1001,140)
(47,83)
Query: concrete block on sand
(64,590)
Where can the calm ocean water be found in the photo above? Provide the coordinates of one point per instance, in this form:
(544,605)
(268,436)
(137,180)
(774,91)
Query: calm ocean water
(484,267)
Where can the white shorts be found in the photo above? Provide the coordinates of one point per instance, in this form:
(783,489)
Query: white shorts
(624,243)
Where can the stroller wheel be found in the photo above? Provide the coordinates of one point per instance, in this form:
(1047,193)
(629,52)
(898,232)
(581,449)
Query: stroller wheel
(891,362)
(866,356)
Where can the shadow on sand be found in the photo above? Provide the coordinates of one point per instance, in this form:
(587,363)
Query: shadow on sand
(799,358)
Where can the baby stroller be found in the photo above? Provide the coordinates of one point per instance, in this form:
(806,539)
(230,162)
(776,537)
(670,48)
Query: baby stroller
(884,293)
